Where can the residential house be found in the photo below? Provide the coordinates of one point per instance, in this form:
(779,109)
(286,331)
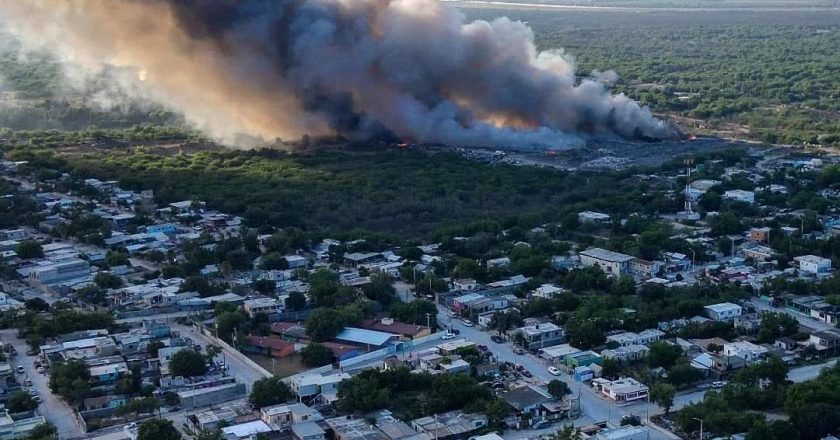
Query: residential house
(541,335)
(389,325)
(267,306)
(450,425)
(612,263)
(738,195)
(622,390)
(526,400)
(594,217)
(747,351)
(723,311)
(626,353)
(813,265)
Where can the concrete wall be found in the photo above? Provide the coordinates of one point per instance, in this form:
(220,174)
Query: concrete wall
(233,391)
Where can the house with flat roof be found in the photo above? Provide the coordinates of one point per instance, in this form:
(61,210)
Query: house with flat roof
(813,265)
(541,335)
(612,263)
(527,399)
(450,425)
(247,430)
(308,431)
(366,338)
(723,311)
(622,390)
(594,217)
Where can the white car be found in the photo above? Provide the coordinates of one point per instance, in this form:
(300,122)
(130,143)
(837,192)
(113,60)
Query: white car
(554,371)
(447,336)
(467,322)
(20,369)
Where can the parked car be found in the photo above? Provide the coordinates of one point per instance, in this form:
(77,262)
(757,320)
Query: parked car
(28,382)
(497,339)
(718,384)
(455,331)
(451,313)
(519,350)
(447,336)
(36,398)
(554,371)
(482,347)
(20,369)
(33,392)
(526,373)
(467,322)
(42,370)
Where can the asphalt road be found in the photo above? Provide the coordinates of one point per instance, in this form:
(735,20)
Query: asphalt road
(51,407)
(594,406)
(241,371)
(804,320)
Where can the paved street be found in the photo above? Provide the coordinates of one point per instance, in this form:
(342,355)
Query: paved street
(593,406)
(241,371)
(804,320)
(51,407)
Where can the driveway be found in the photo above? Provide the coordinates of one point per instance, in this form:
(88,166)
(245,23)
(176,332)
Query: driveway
(51,407)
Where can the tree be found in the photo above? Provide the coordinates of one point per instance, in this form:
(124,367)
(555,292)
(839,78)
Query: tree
(584,334)
(187,363)
(558,388)
(36,305)
(107,280)
(153,347)
(611,369)
(21,401)
(273,261)
(71,381)
(43,431)
(324,324)
(683,375)
(265,287)
(316,355)
(663,395)
(116,258)
(663,354)
(380,289)
(775,430)
(158,429)
(269,391)
(27,249)
(296,301)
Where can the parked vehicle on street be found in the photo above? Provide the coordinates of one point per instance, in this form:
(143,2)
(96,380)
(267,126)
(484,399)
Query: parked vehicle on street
(20,369)
(467,322)
(447,336)
(554,371)
(497,339)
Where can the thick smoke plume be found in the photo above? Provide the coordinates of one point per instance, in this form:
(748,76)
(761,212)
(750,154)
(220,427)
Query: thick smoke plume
(410,69)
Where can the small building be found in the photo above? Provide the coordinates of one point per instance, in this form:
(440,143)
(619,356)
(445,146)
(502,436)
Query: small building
(538,336)
(626,353)
(582,359)
(271,346)
(747,351)
(738,195)
(526,400)
(593,217)
(268,306)
(308,431)
(366,338)
(627,432)
(622,390)
(389,325)
(450,425)
(812,264)
(612,263)
(498,262)
(723,311)
(280,417)
(760,235)
(248,430)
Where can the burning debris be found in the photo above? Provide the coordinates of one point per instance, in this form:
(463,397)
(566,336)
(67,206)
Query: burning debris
(360,69)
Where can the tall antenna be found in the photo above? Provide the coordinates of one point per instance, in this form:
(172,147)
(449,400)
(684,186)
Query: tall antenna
(688,163)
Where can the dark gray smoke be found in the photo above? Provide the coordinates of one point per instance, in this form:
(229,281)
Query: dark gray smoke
(410,69)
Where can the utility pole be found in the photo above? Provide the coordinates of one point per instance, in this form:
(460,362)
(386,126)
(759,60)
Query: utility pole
(429,320)
(701,426)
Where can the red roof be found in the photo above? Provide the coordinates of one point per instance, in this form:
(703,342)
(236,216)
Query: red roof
(397,328)
(339,349)
(270,342)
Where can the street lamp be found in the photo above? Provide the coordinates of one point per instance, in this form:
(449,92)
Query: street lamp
(701,426)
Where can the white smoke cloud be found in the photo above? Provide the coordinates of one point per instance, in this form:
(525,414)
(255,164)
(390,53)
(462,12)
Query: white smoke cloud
(410,69)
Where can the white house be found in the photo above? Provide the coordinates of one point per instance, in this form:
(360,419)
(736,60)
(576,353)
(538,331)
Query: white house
(546,291)
(745,350)
(612,263)
(498,262)
(813,264)
(591,216)
(723,311)
(740,195)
